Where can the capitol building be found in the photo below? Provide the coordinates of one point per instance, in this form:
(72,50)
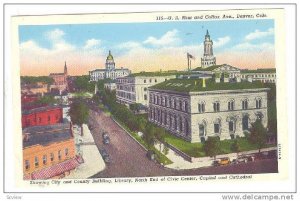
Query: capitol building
(110,71)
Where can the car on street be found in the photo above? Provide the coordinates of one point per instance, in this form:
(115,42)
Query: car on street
(106,139)
(221,161)
(105,155)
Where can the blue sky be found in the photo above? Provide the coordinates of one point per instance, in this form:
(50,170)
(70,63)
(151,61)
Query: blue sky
(122,37)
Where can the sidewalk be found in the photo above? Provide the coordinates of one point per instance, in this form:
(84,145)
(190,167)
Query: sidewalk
(93,162)
(180,164)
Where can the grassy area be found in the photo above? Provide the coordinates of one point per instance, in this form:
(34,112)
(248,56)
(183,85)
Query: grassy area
(82,94)
(159,156)
(197,150)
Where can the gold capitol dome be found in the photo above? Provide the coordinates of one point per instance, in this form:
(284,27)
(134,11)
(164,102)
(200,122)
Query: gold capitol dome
(110,57)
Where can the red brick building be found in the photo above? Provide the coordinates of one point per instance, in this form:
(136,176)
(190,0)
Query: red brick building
(29,98)
(42,116)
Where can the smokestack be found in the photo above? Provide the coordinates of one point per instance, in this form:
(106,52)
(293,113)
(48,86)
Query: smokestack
(203,83)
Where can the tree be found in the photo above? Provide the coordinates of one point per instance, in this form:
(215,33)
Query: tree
(258,134)
(149,135)
(79,113)
(82,83)
(235,147)
(47,99)
(212,146)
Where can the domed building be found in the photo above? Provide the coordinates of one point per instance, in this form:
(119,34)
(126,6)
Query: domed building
(110,70)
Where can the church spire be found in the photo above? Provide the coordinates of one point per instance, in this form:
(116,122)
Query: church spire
(65,68)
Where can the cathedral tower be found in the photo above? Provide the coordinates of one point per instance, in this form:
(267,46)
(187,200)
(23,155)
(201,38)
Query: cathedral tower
(208,58)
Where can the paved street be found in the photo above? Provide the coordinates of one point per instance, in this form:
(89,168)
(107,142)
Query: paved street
(128,158)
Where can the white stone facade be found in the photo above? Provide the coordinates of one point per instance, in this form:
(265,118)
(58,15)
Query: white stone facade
(135,89)
(110,86)
(194,116)
(110,71)
(257,76)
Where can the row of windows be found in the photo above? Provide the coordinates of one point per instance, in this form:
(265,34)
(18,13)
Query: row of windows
(125,88)
(169,102)
(45,159)
(261,75)
(39,120)
(171,121)
(230,106)
(128,96)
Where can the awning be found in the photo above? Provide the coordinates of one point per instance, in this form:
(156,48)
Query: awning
(56,170)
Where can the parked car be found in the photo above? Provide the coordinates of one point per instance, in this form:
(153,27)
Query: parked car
(224,161)
(215,163)
(105,155)
(106,139)
(150,155)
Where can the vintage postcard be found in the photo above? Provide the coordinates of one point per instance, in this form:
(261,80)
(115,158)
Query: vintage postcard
(161,99)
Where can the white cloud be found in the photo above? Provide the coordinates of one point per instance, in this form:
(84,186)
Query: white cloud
(259,34)
(129,45)
(253,47)
(221,41)
(169,38)
(55,35)
(92,43)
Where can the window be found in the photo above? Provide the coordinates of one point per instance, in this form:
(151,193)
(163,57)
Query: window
(201,107)
(27,165)
(245,123)
(51,157)
(40,119)
(201,130)
(145,89)
(180,105)
(230,105)
(36,161)
(217,107)
(217,128)
(231,126)
(145,97)
(49,118)
(258,103)
(45,159)
(66,151)
(245,104)
(144,81)
(155,80)
(59,155)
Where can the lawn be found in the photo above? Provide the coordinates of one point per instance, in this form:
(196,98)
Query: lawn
(160,157)
(82,94)
(196,149)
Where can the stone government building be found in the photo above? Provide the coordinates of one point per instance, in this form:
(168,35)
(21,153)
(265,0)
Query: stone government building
(193,110)
(110,70)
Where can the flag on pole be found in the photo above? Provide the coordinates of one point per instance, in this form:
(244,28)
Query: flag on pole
(190,56)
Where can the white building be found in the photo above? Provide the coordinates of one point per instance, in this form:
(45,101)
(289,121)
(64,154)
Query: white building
(208,58)
(193,110)
(266,75)
(110,71)
(134,88)
(111,86)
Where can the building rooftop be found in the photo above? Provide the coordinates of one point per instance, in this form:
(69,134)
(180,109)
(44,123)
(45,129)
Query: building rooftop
(260,70)
(44,135)
(207,69)
(194,85)
(159,73)
(40,109)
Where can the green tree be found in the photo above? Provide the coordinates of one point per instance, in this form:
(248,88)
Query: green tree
(79,113)
(82,83)
(235,147)
(258,134)
(47,99)
(35,79)
(212,146)
(149,135)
